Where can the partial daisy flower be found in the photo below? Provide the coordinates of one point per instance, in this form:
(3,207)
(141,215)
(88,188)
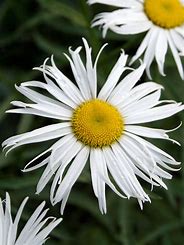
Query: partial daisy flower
(162,19)
(101,127)
(34,232)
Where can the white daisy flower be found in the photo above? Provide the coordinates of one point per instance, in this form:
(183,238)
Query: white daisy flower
(101,127)
(34,232)
(162,19)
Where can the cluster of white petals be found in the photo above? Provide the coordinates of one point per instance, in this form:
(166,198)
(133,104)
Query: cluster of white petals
(35,231)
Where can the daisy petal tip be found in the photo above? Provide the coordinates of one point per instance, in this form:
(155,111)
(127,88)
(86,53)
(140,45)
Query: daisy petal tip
(122,51)
(148,73)
(17,86)
(142,63)
(176,142)
(25,170)
(60,220)
(179,125)
(45,61)
(140,204)
(6,153)
(85,41)
(26,199)
(104,33)
(162,73)
(52,58)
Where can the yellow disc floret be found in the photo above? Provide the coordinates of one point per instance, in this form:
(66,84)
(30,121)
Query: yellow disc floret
(97,123)
(165,13)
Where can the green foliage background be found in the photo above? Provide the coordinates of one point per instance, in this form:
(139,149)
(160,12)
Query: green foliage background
(30,31)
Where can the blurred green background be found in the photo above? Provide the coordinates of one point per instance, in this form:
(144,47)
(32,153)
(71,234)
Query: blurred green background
(30,31)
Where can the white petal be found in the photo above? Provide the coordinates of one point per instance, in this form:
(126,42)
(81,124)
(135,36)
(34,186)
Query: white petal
(47,70)
(180,30)
(35,96)
(157,113)
(148,132)
(79,73)
(46,176)
(161,50)
(7,220)
(96,158)
(38,135)
(113,77)
(138,93)
(65,84)
(150,51)
(31,111)
(90,70)
(132,28)
(39,165)
(94,171)
(51,88)
(117,3)
(142,46)
(72,174)
(176,56)
(2,232)
(146,102)
(123,21)
(126,85)
(53,110)
(60,148)
(120,17)
(17,219)
(178,40)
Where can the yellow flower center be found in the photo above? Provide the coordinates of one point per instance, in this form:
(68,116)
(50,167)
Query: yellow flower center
(165,13)
(97,123)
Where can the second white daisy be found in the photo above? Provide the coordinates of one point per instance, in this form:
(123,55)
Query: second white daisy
(163,19)
(101,127)
(34,232)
